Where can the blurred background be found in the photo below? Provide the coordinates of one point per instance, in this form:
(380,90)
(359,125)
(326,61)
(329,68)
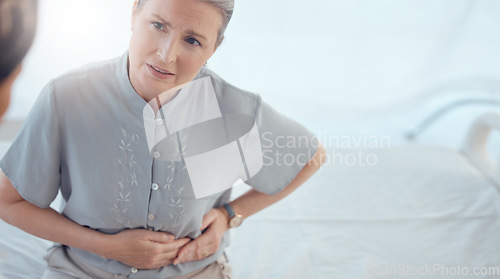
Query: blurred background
(339,67)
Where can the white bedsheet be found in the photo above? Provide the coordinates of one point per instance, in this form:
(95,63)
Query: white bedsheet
(417,206)
(20,253)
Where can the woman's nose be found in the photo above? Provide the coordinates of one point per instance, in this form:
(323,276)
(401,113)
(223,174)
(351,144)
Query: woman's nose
(168,50)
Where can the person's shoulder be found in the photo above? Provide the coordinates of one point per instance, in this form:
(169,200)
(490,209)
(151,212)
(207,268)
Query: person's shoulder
(225,90)
(91,73)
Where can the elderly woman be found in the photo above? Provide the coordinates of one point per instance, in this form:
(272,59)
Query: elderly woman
(17,31)
(144,150)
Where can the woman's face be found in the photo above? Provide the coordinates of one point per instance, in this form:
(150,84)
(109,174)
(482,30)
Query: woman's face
(171,40)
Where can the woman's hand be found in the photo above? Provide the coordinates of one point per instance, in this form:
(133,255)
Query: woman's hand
(216,223)
(144,249)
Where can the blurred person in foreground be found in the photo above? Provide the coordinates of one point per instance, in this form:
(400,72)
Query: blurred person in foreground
(18,19)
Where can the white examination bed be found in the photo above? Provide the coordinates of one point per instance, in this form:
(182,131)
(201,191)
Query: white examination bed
(418,207)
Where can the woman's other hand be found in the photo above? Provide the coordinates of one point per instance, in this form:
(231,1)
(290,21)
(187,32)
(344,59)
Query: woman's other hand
(144,249)
(216,223)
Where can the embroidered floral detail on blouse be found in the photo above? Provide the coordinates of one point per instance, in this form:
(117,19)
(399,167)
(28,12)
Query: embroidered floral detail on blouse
(175,202)
(174,189)
(127,179)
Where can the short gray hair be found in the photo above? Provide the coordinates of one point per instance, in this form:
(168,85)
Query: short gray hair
(225,8)
(18,19)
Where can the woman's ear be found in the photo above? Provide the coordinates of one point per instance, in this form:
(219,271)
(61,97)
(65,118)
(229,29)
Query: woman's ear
(217,45)
(6,87)
(135,10)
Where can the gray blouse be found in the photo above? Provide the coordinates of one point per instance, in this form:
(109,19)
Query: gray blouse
(122,163)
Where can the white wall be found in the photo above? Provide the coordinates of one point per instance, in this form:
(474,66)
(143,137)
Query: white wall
(308,58)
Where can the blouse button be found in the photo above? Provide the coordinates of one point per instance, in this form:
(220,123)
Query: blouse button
(159,121)
(154,186)
(156,154)
(134,270)
(151,217)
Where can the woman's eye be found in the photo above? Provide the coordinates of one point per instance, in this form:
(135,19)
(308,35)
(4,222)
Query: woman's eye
(193,41)
(158,26)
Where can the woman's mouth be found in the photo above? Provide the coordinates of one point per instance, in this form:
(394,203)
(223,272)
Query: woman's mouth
(159,72)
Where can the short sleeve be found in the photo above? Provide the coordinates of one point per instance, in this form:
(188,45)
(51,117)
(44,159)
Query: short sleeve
(287,147)
(32,162)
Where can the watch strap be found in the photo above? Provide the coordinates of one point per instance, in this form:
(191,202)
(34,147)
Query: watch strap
(229,210)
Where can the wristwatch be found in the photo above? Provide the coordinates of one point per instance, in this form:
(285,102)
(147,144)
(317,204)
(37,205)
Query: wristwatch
(235,219)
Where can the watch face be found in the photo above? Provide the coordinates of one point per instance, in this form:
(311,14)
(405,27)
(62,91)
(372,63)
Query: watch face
(235,221)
